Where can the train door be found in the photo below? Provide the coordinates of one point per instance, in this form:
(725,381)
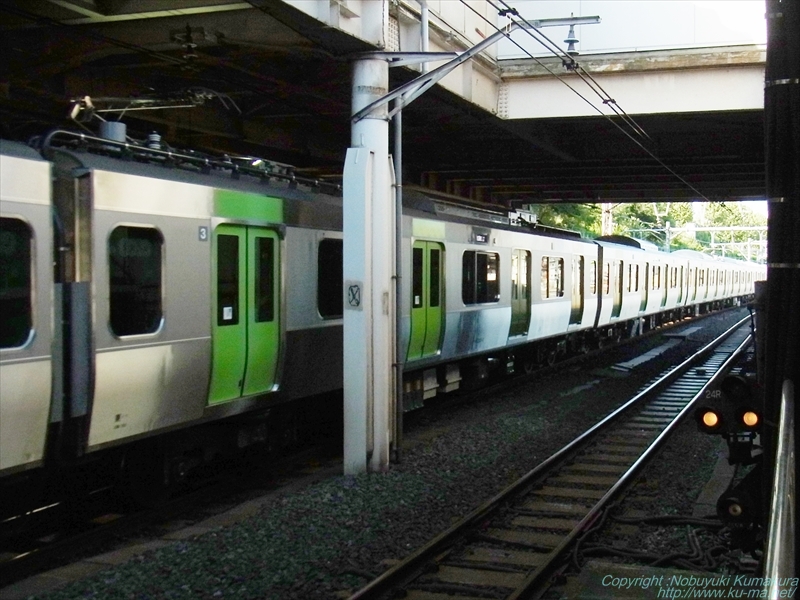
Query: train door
(246,319)
(619,269)
(427,299)
(576,314)
(520,292)
(644,288)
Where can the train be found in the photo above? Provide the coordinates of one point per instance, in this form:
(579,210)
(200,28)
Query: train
(152,300)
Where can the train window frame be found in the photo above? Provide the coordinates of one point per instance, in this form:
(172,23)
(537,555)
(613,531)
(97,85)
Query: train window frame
(552,277)
(435,278)
(593,286)
(476,285)
(152,323)
(330,286)
(9,340)
(630,277)
(265,278)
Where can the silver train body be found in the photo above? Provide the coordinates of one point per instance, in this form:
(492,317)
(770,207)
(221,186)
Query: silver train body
(140,300)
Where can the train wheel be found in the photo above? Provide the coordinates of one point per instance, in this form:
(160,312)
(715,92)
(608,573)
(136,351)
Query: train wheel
(541,354)
(147,480)
(528,364)
(526,361)
(551,357)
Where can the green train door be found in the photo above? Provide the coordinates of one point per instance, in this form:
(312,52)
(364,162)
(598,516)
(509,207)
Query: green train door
(246,320)
(520,292)
(427,299)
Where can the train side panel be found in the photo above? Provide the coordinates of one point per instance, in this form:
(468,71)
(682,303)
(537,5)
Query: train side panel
(26,336)
(313,312)
(151,311)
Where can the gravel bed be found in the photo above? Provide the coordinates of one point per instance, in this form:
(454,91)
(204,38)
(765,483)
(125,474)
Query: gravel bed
(320,540)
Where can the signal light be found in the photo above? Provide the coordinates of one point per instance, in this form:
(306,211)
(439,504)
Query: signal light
(729,409)
(750,419)
(732,411)
(710,419)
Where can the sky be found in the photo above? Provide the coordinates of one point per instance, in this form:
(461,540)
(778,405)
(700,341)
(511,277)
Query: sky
(644,24)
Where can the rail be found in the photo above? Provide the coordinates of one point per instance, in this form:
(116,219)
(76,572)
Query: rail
(404,572)
(779,562)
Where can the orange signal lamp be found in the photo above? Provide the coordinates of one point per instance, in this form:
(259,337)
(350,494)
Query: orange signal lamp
(710,419)
(750,418)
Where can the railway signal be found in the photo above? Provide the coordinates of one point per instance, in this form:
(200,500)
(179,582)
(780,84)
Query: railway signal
(733,411)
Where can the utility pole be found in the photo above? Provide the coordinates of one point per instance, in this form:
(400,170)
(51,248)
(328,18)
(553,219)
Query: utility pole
(372,360)
(607,222)
(782,144)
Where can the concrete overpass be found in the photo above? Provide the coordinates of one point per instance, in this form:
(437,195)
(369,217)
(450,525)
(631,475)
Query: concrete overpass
(271,78)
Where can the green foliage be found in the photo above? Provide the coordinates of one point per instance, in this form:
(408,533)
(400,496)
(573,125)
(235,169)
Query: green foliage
(648,221)
(584,218)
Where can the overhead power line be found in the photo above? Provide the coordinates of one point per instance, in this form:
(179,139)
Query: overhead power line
(613,105)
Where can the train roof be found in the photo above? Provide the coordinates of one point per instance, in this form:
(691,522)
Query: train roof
(19,150)
(453,208)
(185,166)
(623,240)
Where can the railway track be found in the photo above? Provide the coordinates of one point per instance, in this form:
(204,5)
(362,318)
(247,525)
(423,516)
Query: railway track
(513,544)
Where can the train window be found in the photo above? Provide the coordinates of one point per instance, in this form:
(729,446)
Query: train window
(525,275)
(520,274)
(480,277)
(265,267)
(434,277)
(514,276)
(577,290)
(329,279)
(227,280)
(702,277)
(552,280)
(636,281)
(593,278)
(607,278)
(468,277)
(543,280)
(135,280)
(416,282)
(630,277)
(15,283)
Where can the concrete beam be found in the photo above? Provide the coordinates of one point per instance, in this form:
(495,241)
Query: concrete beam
(672,81)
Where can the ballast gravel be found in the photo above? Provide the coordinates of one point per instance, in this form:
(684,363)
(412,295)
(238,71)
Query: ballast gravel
(323,540)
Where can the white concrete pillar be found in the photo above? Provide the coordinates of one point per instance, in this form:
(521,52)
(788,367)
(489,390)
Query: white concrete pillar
(368,285)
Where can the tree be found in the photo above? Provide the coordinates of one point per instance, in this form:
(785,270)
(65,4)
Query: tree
(584,218)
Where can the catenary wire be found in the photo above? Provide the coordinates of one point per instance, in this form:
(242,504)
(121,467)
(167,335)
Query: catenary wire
(579,70)
(509,10)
